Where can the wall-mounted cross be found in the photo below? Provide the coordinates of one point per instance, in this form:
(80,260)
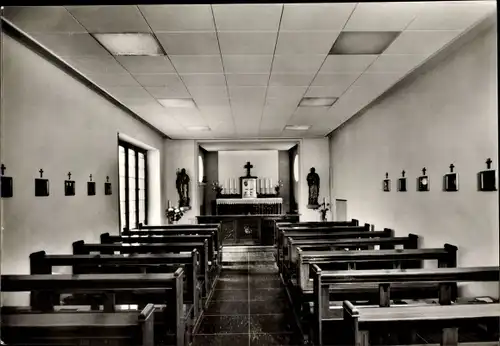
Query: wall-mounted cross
(90,177)
(488,163)
(69,175)
(41,173)
(3,168)
(451,167)
(403,173)
(248,166)
(386,175)
(107,179)
(424,170)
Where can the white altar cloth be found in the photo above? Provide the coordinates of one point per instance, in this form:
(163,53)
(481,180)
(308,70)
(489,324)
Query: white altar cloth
(273,200)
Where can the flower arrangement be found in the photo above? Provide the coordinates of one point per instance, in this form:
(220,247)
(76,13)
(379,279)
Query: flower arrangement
(174,214)
(278,186)
(323,208)
(217,187)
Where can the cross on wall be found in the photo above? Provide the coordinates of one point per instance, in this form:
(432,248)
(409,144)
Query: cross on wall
(248,166)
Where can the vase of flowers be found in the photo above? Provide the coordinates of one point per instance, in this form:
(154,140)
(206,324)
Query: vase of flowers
(323,209)
(217,188)
(174,214)
(278,187)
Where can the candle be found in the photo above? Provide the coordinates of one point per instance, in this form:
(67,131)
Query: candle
(169,204)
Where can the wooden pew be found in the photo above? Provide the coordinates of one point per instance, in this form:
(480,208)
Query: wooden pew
(447,318)
(381,282)
(193,229)
(41,263)
(79,328)
(278,225)
(117,289)
(182,227)
(81,248)
(446,257)
(408,242)
(325,235)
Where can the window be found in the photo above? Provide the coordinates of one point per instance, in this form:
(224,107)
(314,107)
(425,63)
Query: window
(133,185)
(296,168)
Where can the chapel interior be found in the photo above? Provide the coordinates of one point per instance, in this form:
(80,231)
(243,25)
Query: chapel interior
(249,173)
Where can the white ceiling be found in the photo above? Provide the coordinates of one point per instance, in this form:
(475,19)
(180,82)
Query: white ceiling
(247,66)
(248,145)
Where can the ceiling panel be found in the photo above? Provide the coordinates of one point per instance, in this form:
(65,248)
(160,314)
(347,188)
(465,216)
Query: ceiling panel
(164,18)
(396,62)
(241,42)
(316,16)
(189,43)
(297,63)
(250,95)
(305,42)
(168,92)
(421,42)
(215,92)
(340,81)
(286,92)
(382,16)
(123,92)
(288,79)
(453,15)
(146,64)
(205,101)
(71,44)
(94,64)
(326,91)
(118,79)
(43,19)
(377,81)
(158,80)
(110,19)
(347,63)
(247,63)
(204,79)
(278,112)
(247,17)
(235,79)
(197,63)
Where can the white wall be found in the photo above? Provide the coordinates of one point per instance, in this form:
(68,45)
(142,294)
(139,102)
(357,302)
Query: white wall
(182,154)
(231,165)
(447,115)
(52,121)
(313,153)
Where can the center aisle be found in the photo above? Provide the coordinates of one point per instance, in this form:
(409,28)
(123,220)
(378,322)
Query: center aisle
(249,306)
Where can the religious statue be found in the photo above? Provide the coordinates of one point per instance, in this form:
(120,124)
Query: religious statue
(313,183)
(182,185)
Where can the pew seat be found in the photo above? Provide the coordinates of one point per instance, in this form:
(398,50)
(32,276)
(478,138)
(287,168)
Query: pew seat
(79,328)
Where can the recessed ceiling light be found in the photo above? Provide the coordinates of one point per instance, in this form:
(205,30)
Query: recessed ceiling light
(370,42)
(177,103)
(298,127)
(317,101)
(198,128)
(130,44)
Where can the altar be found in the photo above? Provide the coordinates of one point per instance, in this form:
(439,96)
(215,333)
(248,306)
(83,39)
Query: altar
(249,206)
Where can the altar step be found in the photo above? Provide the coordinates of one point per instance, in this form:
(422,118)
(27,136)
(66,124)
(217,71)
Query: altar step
(237,255)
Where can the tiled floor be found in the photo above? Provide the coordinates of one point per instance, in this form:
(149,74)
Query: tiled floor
(249,307)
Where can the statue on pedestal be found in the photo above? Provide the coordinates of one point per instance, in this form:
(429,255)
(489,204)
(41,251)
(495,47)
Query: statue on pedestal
(182,185)
(313,183)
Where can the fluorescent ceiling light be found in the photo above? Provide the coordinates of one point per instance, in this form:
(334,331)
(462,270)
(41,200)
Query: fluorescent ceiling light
(177,103)
(298,127)
(130,44)
(317,101)
(370,42)
(198,128)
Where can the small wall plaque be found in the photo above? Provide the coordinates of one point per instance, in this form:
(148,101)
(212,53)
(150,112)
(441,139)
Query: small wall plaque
(91,187)
(487,180)
(402,182)
(450,183)
(423,181)
(41,186)
(69,186)
(6,184)
(107,187)
(387,183)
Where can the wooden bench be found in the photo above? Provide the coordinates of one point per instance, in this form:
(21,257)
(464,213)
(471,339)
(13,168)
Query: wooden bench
(446,257)
(447,318)
(140,289)
(81,248)
(79,328)
(41,263)
(278,225)
(193,229)
(382,282)
(409,242)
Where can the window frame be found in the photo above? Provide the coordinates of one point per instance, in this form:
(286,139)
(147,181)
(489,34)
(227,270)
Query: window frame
(128,146)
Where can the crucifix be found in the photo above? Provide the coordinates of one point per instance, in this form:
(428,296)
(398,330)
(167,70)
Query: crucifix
(403,173)
(488,164)
(386,175)
(451,167)
(3,168)
(424,170)
(248,166)
(41,173)
(69,175)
